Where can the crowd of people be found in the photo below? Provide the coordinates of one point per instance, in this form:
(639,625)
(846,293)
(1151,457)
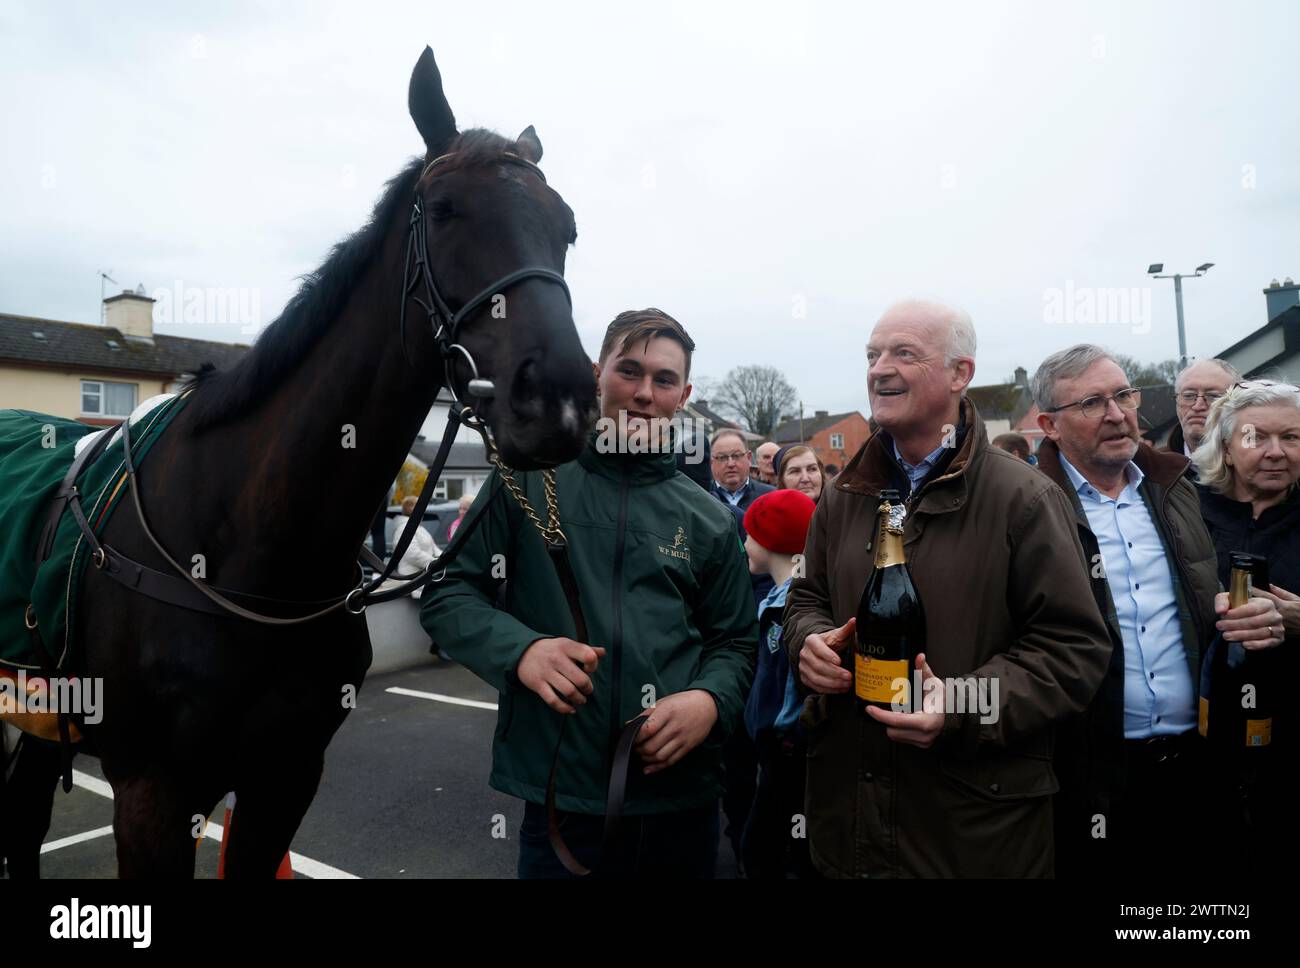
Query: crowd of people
(1079,586)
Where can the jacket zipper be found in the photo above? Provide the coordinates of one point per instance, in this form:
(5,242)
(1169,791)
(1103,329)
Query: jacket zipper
(616,636)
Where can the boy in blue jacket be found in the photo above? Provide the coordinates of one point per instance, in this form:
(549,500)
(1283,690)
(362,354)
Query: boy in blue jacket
(774,844)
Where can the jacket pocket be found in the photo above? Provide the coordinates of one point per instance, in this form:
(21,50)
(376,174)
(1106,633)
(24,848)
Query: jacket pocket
(815,715)
(1002,776)
(830,791)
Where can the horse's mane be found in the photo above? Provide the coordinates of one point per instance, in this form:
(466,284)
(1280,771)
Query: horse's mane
(222,395)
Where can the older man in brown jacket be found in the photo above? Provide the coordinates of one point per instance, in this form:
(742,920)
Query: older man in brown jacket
(997,562)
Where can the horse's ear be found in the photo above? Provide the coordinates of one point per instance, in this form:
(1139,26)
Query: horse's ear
(429,108)
(528,146)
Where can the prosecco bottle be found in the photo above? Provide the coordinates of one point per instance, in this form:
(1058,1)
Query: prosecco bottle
(891,623)
(1235,708)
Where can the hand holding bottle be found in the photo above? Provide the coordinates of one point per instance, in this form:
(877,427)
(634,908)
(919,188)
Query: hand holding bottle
(819,660)
(1288,604)
(1256,625)
(917,728)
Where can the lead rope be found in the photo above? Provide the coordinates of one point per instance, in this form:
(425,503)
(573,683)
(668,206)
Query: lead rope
(558,551)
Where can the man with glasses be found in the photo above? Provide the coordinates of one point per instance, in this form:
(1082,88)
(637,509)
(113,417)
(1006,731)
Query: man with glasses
(732,483)
(1132,796)
(1196,388)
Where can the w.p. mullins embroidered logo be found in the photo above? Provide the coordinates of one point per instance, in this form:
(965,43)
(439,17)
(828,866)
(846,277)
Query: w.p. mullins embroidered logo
(679,549)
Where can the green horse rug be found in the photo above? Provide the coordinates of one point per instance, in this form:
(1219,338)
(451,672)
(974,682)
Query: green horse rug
(36,451)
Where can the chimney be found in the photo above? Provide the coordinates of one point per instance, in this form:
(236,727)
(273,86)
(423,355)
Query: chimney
(1279,297)
(1022,377)
(131,313)
(822,413)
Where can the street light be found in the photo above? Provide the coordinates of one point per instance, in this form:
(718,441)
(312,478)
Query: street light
(1154,270)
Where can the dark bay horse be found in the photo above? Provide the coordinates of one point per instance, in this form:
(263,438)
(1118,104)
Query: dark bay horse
(311,426)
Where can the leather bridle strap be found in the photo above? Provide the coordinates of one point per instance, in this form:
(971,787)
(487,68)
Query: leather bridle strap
(623,750)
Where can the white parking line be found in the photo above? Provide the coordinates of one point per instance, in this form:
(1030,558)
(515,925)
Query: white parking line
(301,865)
(436,697)
(76,839)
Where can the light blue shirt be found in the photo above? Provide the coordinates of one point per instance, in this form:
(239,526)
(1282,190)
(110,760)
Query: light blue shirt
(733,497)
(1159,697)
(916,472)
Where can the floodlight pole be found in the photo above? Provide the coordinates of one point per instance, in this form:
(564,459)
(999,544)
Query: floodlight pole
(1178,302)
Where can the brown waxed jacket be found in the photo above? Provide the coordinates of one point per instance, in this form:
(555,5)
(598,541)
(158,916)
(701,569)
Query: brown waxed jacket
(994,554)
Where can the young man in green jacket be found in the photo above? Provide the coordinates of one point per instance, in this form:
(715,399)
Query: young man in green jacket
(665,591)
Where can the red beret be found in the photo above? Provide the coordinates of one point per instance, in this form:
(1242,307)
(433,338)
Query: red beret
(779,520)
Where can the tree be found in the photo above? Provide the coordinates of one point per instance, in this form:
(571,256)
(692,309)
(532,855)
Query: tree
(757,396)
(1147,374)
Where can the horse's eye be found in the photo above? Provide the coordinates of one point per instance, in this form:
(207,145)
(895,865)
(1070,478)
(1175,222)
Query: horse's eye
(441,209)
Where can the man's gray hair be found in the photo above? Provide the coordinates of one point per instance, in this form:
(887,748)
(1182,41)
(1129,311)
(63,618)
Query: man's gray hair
(1224,365)
(1063,365)
(728,432)
(1221,423)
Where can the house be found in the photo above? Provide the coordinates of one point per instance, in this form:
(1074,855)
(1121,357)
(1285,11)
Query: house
(1273,350)
(833,437)
(98,374)
(467,467)
(709,419)
(1006,407)
(1270,352)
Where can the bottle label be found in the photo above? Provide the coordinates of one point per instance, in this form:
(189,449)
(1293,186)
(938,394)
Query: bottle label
(873,679)
(1203,717)
(1259,732)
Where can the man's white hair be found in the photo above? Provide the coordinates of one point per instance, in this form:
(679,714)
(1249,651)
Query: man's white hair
(1224,365)
(961,331)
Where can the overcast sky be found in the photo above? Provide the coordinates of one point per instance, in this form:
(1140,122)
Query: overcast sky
(774,175)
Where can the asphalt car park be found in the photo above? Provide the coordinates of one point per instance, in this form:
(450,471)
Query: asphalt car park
(404,795)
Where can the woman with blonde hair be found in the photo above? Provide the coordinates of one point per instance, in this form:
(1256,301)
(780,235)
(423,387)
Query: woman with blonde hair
(1249,465)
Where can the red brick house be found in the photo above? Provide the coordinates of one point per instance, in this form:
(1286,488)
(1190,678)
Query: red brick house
(834,437)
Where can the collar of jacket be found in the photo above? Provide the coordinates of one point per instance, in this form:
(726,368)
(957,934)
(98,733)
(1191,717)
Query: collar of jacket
(869,472)
(1176,440)
(1220,504)
(1160,467)
(637,469)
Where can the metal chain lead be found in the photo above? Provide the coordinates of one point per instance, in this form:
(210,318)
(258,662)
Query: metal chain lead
(551,531)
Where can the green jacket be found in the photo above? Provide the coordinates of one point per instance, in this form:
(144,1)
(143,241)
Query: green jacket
(665,589)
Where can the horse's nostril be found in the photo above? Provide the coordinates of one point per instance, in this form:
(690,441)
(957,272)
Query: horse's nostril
(526,390)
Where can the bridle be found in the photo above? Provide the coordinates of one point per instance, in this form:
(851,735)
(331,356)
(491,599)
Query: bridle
(187,591)
(443,323)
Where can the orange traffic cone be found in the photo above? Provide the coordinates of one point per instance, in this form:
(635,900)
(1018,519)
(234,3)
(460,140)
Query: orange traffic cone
(285,871)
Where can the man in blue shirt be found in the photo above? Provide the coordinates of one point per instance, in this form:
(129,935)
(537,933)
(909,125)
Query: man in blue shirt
(1132,792)
(732,483)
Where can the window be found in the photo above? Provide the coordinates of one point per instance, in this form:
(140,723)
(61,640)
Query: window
(449,488)
(837,441)
(100,398)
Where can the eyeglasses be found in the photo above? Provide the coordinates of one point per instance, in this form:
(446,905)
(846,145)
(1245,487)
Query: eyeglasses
(734,458)
(1189,397)
(1264,385)
(1130,398)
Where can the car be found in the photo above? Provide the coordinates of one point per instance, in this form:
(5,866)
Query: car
(438,517)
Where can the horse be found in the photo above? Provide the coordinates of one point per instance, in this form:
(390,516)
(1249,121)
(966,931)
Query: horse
(317,416)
